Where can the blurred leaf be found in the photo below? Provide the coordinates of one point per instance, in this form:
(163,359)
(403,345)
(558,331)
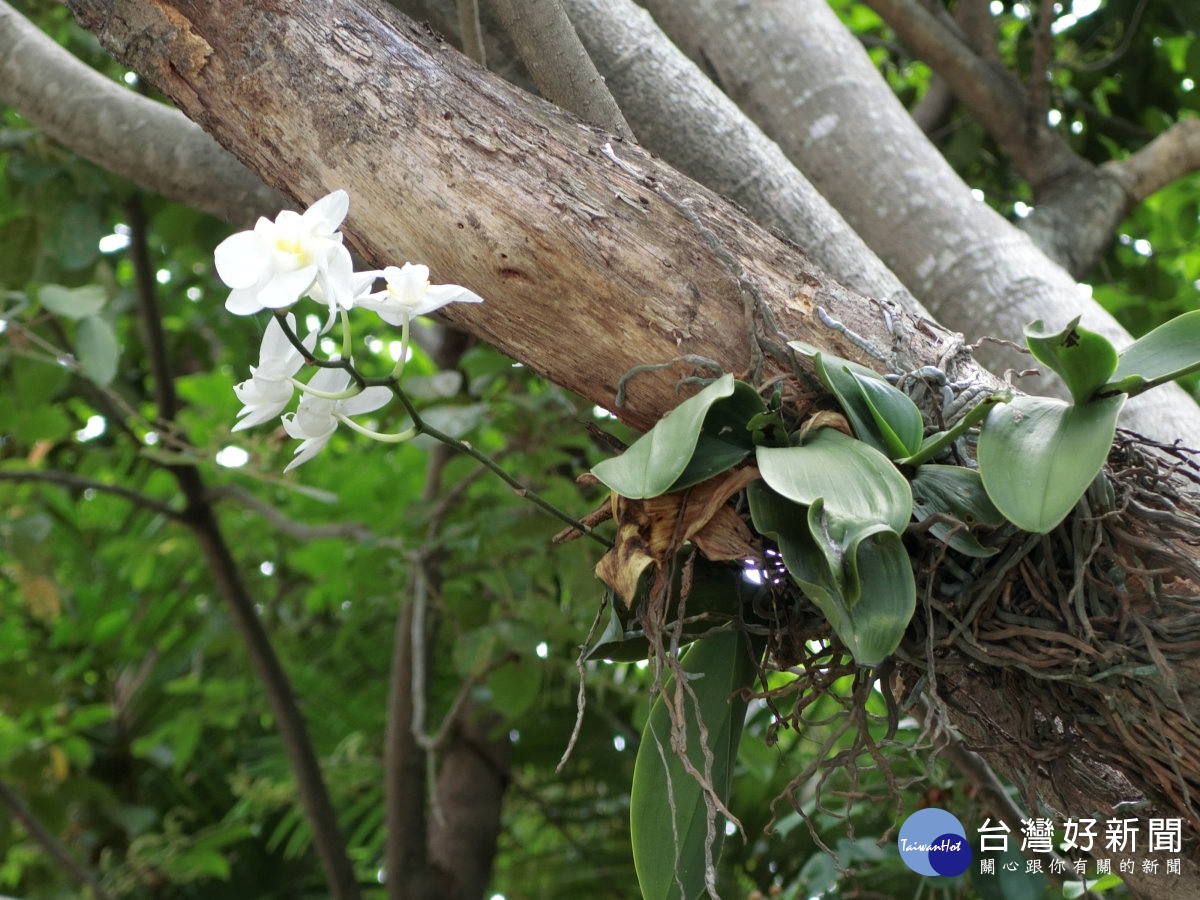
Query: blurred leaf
(74,303)
(97,349)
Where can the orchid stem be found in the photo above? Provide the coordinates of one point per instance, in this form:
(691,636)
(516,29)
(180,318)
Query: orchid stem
(419,425)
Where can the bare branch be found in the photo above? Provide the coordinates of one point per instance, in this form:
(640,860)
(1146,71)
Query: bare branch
(559,64)
(56,850)
(78,482)
(1173,154)
(134,137)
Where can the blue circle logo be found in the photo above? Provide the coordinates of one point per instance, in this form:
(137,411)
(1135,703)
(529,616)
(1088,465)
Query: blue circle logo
(933,842)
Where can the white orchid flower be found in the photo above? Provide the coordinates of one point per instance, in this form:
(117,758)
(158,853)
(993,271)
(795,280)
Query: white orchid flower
(279,262)
(409,294)
(316,417)
(270,388)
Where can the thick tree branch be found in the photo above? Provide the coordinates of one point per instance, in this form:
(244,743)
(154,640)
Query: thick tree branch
(561,68)
(134,137)
(592,259)
(659,87)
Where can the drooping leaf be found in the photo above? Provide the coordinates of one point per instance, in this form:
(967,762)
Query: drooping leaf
(1037,456)
(1169,351)
(865,588)
(668,815)
(671,456)
(880,571)
(787,524)
(97,349)
(958,493)
(1082,358)
(858,482)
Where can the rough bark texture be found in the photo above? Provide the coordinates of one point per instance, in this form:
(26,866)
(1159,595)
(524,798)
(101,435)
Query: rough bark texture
(593,256)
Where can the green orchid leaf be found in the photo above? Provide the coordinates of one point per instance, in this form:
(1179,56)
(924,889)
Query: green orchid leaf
(841,376)
(668,815)
(881,572)
(702,437)
(896,416)
(956,492)
(1169,351)
(859,483)
(1082,358)
(865,588)
(1037,456)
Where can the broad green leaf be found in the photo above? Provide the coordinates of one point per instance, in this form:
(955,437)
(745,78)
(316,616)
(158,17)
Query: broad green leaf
(956,492)
(896,416)
(1169,351)
(97,349)
(841,376)
(662,458)
(858,483)
(667,811)
(74,303)
(1037,456)
(1083,359)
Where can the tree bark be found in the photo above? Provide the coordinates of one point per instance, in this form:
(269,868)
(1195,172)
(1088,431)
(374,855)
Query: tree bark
(592,255)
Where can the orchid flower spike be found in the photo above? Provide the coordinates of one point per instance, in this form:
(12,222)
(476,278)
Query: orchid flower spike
(270,387)
(316,418)
(409,294)
(279,262)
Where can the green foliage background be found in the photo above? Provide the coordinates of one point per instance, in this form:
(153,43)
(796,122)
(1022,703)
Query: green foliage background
(130,722)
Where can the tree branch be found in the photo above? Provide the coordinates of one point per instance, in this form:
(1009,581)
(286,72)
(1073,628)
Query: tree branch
(989,91)
(78,482)
(1171,155)
(659,87)
(561,68)
(807,82)
(134,137)
(56,850)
